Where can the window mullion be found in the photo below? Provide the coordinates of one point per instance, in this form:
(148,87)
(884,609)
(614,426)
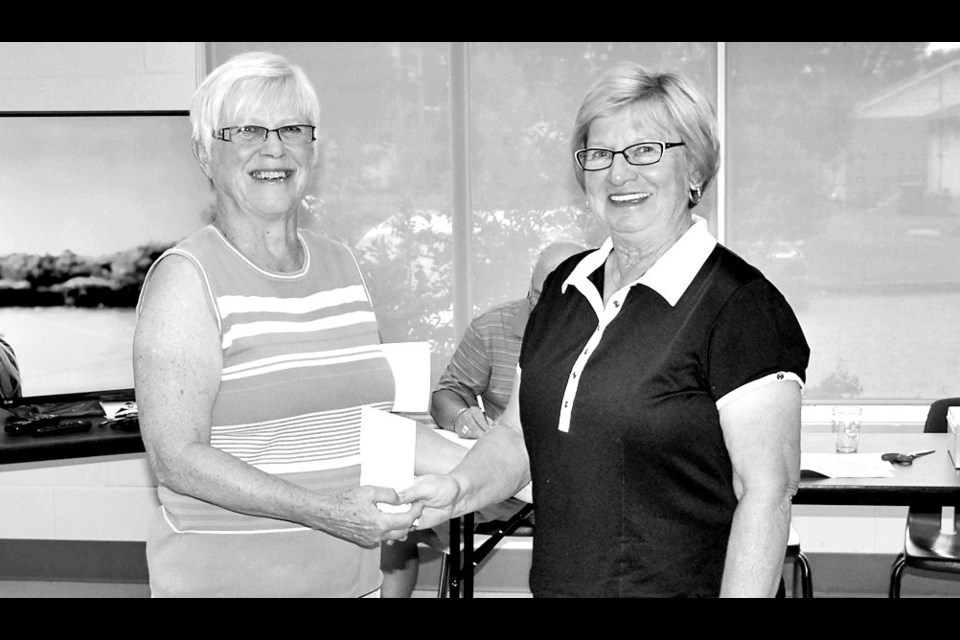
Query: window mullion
(462,205)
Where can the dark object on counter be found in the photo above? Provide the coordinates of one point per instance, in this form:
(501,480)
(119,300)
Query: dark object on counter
(61,428)
(46,424)
(74,440)
(126,423)
(904,458)
(28,426)
(78,440)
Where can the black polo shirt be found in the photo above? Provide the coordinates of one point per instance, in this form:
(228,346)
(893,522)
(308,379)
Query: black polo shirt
(619,405)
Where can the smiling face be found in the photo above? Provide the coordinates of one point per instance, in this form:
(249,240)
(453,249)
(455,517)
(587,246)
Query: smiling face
(638,204)
(268,179)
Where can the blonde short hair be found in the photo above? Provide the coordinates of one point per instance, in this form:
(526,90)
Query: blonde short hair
(248,84)
(671,101)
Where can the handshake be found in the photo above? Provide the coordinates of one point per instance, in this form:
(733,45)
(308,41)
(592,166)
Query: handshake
(434,499)
(431,500)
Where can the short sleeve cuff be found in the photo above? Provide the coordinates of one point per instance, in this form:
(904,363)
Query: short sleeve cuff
(780,376)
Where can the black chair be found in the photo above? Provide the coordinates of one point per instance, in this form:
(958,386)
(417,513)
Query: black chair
(925,546)
(802,574)
(461,562)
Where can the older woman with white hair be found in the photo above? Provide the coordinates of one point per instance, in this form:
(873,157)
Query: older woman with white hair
(657,403)
(256,347)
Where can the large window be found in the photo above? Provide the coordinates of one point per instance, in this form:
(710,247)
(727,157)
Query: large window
(843,179)
(447,165)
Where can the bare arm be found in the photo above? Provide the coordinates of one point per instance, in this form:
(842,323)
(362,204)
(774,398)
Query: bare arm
(436,454)
(762,434)
(496,468)
(177,364)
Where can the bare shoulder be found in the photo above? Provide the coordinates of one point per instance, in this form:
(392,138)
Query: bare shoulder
(174,278)
(174,309)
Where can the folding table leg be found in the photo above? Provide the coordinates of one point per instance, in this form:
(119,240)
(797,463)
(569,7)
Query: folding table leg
(468,561)
(454,570)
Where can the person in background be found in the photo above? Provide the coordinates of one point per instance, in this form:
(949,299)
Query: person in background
(485,361)
(256,347)
(657,403)
(9,372)
(483,366)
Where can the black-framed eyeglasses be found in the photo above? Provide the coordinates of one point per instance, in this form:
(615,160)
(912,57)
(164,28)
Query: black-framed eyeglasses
(292,134)
(640,154)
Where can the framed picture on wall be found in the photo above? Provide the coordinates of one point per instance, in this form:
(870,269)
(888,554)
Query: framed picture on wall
(87,201)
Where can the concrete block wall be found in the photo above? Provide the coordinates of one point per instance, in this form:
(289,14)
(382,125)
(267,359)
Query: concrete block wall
(97,76)
(108,499)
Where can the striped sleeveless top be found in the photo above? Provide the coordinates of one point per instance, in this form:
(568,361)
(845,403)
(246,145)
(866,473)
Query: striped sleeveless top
(301,356)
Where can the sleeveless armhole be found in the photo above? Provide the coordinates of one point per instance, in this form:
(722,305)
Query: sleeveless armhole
(211,300)
(363,283)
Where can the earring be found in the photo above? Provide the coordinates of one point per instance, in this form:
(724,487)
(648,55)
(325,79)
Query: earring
(588,205)
(695,194)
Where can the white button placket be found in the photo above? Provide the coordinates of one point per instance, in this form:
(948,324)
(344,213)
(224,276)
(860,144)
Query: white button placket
(605,317)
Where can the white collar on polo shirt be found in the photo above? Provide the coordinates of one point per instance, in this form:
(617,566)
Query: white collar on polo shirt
(670,275)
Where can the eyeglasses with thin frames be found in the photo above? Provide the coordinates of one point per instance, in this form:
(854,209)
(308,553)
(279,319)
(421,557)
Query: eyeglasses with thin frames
(249,135)
(640,154)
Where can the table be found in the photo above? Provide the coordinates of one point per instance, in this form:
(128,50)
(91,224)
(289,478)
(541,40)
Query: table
(460,571)
(100,440)
(931,480)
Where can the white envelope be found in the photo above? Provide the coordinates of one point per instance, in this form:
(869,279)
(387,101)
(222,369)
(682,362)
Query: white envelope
(410,363)
(388,447)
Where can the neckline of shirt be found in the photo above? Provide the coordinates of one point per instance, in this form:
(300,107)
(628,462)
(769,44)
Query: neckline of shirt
(273,274)
(669,276)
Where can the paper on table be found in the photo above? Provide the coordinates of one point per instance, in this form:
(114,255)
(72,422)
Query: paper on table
(525,494)
(846,465)
(113,409)
(388,445)
(410,363)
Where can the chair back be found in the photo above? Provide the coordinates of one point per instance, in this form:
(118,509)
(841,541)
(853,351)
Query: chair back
(937,416)
(927,545)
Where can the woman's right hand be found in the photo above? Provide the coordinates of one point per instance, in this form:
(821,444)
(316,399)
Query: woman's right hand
(356,517)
